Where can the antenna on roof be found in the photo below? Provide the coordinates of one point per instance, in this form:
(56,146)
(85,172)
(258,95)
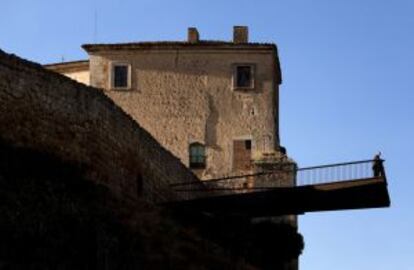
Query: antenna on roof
(95,26)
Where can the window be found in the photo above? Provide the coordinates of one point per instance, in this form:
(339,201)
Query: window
(197,156)
(243,77)
(248,144)
(121,76)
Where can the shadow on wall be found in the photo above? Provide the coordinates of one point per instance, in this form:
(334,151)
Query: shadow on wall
(43,110)
(211,125)
(52,218)
(266,244)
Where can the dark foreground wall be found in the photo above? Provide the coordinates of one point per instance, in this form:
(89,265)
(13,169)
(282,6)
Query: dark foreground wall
(51,218)
(50,113)
(76,176)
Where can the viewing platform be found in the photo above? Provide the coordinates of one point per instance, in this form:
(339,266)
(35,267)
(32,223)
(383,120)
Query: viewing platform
(341,186)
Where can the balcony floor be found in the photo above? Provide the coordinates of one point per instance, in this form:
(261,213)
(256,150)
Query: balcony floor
(353,194)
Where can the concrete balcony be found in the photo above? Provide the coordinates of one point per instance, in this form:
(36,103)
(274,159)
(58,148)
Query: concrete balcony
(341,186)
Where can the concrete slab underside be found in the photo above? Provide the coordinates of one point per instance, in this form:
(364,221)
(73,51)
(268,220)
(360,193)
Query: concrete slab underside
(354,194)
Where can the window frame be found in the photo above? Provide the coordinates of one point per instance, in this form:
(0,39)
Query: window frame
(203,156)
(112,75)
(252,76)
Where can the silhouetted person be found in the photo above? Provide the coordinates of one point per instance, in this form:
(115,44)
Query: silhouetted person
(378,167)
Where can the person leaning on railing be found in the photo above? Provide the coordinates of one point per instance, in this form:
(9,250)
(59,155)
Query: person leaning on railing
(377,166)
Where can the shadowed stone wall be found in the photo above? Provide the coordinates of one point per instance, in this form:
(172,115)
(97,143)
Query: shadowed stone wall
(50,113)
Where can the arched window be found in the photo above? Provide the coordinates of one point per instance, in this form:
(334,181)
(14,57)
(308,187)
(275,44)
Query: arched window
(197,156)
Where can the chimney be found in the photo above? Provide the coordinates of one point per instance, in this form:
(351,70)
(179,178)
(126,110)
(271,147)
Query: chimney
(193,36)
(240,34)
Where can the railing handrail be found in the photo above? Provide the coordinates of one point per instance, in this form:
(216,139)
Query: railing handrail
(338,164)
(275,171)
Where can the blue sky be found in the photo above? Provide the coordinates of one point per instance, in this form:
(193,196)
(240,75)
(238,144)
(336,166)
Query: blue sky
(347,91)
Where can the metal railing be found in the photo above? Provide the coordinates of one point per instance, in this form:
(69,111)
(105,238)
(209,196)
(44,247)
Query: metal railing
(324,174)
(338,172)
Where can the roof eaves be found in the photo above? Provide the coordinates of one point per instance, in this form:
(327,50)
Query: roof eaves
(176,44)
(76,62)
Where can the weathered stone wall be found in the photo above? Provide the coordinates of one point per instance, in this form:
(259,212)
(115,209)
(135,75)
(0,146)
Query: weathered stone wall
(48,112)
(185,95)
(279,171)
(76,70)
(79,76)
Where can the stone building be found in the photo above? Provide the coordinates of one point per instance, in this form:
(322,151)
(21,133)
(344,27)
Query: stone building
(213,104)
(205,105)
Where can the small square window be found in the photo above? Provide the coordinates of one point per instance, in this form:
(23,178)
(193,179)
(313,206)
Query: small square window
(248,144)
(243,77)
(120,76)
